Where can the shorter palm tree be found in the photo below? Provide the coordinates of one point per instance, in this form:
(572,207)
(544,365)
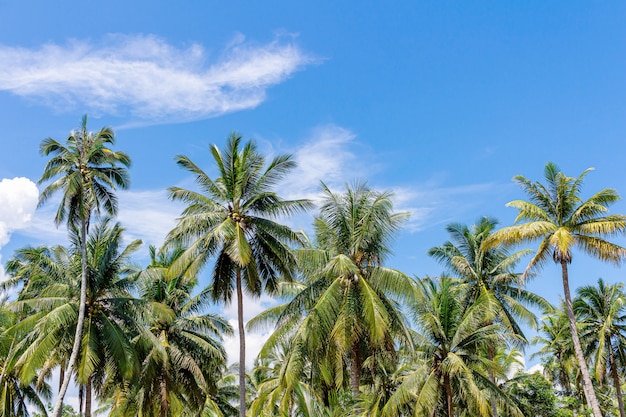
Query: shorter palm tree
(348,311)
(16,396)
(50,297)
(602,309)
(449,370)
(180,349)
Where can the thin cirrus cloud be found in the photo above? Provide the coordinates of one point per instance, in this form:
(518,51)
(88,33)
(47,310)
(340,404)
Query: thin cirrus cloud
(148,78)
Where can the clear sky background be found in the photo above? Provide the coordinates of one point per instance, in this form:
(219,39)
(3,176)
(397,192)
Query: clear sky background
(442,102)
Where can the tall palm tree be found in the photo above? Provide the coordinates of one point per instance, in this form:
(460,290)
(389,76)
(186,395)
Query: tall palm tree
(86,171)
(560,220)
(180,349)
(231,218)
(489,271)
(348,312)
(603,310)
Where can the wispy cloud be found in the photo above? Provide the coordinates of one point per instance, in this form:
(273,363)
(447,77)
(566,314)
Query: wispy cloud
(148,215)
(432,203)
(147,77)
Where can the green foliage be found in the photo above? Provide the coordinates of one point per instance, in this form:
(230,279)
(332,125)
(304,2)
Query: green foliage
(534,395)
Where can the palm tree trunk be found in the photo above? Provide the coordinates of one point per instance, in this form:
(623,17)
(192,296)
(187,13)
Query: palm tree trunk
(588,389)
(81,399)
(242,349)
(355,374)
(58,406)
(88,398)
(492,377)
(165,405)
(61,376)
(616,381)
(449,399)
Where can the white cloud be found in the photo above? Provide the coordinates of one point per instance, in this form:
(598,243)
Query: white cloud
(327,155)
(147,215)
(145,76)
(334,155)
(18,200)
(535,368)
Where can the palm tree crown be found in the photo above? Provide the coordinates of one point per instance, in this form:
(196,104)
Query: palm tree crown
(86,172)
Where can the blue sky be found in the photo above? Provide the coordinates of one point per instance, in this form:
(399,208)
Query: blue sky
(442,102)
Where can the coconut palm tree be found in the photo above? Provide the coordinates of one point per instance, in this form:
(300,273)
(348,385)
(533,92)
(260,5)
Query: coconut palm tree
(16,395)
(348,313)
(232,218)
(489,271)
(180,349)
(86,171)
(556,350)
(560,220)
(447,376)
(52,296)
(603,310)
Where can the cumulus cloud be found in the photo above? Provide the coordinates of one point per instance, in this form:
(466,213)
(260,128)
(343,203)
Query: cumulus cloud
(147,77)
(18,200)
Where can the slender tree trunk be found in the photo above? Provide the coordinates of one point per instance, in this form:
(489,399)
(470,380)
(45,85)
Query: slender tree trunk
(242,349)
(355,372)
(355,375)
(58,406)
(88,398)
(61,376)
(165,404)
(616,381)
(590,394)
(491,354)
(81,399)
(449,399)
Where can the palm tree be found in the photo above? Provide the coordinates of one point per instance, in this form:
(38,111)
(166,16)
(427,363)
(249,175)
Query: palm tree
(231,218)
(448,374)
(16,395)
(556,349)
(349,312)
(86,172)
(558,217)
(603,310)
(51,297)
(489,271)
(181,349)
